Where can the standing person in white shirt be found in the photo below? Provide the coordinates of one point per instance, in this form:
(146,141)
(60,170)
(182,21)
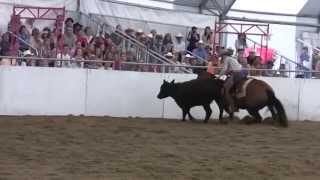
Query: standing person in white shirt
(241,42)
(234,68)
(64,54)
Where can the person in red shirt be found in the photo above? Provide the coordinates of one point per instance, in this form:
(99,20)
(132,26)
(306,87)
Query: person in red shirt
(81,38)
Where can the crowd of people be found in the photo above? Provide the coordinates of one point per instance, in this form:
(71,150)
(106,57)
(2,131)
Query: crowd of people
(110,50)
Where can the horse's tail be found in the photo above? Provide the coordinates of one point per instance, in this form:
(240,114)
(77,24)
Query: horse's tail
(281,113)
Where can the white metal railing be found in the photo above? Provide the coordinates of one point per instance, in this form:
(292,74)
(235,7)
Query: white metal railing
(160,65)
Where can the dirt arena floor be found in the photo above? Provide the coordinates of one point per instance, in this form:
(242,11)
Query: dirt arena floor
(85,148)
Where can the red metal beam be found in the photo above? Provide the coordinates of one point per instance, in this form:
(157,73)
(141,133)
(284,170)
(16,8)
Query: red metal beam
(221,28)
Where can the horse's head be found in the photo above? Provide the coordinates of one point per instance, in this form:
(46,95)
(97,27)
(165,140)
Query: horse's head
(166,89)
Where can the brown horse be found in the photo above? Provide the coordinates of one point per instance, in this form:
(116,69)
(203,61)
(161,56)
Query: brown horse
(253,96)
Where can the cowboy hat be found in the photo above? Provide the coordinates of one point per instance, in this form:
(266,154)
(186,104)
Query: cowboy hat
(179,35)
(189,56)
(169,54)
(27,53)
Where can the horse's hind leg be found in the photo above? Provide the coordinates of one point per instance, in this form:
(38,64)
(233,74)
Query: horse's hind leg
(273,113)
(208,110)
(256,115)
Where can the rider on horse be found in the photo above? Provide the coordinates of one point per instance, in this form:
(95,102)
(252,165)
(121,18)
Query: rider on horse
(231,67)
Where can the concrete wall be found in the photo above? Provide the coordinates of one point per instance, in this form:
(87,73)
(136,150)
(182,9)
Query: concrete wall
(54,91)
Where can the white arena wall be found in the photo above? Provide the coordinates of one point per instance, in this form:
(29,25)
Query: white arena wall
(59,91)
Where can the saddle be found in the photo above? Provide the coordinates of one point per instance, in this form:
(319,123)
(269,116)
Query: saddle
(239,90)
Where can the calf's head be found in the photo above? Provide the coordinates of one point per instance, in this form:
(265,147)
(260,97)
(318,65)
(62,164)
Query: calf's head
(166,89)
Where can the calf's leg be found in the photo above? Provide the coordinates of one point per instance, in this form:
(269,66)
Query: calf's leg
(190,116)
(208,110)
(184,113)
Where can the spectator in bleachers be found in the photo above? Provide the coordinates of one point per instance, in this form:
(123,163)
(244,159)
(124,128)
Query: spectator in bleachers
(256,65)
(200,51)
(112,56)
(28,62)
(5,44)
(167,45)
(116,39)
(207,36)
(48,47)
(130,32)
(317,68)
(77,27)
(24,39)
(193,38)
(139,34)
(69,38)
(152,41)
(99,56)
(68,24)
(241,42)
(89,54)
(304,56)
(185,60)
(81,38)
(251,57)
(170,56)
(5,49)
(29,25)
(315,58)
(191,60)
(304,60)
(78,57)
(158,43)
(269,73)
(88,34)
(64,54)
(119,58)
(36,41)
(179,45)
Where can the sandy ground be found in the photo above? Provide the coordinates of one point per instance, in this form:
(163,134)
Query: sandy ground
(85,148)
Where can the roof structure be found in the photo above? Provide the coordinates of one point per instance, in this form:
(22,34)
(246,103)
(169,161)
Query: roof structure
(310,9)
(299,8)
(216,7)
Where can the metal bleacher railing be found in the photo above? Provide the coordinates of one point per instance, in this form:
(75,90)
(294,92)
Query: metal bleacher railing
(264,72)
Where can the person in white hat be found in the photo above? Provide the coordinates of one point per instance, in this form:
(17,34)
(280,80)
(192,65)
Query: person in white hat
(201,52)
(189,60)
(169,55)
(28,62)
(179,44)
